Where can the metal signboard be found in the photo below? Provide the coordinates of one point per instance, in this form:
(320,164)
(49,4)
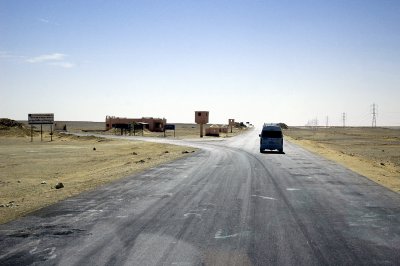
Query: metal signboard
(40,119)
(169,127)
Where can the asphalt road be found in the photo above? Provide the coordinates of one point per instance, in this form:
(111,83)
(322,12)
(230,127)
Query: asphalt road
(226,204)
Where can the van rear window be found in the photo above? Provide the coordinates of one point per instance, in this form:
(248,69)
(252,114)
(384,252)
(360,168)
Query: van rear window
(271,134)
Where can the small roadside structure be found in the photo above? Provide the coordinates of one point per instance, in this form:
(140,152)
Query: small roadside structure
(150,123)
(231,123)
(201,118)
(215,130)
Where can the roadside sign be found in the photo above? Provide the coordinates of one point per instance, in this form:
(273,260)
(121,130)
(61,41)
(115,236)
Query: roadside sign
(169,127)
(40,119)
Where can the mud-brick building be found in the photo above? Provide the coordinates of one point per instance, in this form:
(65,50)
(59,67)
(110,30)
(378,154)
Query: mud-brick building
(150,123)
(215,130)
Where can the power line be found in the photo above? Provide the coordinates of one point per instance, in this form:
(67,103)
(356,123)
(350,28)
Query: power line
(312,123)
(374,114)
(344,119)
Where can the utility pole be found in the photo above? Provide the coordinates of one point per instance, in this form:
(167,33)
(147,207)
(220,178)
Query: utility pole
(315,122)
(327,122)
(374,113)
(344,119)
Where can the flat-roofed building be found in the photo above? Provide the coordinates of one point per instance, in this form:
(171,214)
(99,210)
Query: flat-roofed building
(215,130)
(150,123)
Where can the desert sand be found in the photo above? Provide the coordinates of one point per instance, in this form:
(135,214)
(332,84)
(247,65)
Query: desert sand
(30,171)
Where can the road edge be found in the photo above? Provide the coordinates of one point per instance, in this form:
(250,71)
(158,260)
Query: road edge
(375,173)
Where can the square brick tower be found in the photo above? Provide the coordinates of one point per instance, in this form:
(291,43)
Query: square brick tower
(201,118)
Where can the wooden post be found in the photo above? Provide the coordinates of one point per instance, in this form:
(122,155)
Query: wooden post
(51,132)
(201,130)
(31,133)
(41,132)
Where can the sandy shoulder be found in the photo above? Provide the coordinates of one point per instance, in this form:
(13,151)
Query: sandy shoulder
(386,175)
(30,171)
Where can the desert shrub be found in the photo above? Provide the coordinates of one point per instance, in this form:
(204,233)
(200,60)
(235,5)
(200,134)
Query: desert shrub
(7,123)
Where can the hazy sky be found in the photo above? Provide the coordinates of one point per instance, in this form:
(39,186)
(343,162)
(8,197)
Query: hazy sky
(272,61)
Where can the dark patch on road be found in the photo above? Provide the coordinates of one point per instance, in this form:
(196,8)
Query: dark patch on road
(45,230)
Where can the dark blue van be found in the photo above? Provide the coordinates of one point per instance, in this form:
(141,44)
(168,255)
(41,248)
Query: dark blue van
(271,138)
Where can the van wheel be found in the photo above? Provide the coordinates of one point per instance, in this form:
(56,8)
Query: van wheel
(280,151)
(261,150)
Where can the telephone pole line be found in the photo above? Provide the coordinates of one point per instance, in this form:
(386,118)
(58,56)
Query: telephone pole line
(327,122)
(374,113)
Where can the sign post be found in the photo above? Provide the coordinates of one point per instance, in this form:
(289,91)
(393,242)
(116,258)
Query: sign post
(41,119)
(231,123)
(169,127)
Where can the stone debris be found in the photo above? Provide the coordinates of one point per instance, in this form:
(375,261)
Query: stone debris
(9,205)
(59,185)
(141,161)
(94,148)
(134,153)
(166,152)
(185,152)
(43,182)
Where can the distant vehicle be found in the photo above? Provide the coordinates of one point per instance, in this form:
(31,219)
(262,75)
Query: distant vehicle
(271,138)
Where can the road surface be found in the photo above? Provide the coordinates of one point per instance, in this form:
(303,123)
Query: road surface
(226,204)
